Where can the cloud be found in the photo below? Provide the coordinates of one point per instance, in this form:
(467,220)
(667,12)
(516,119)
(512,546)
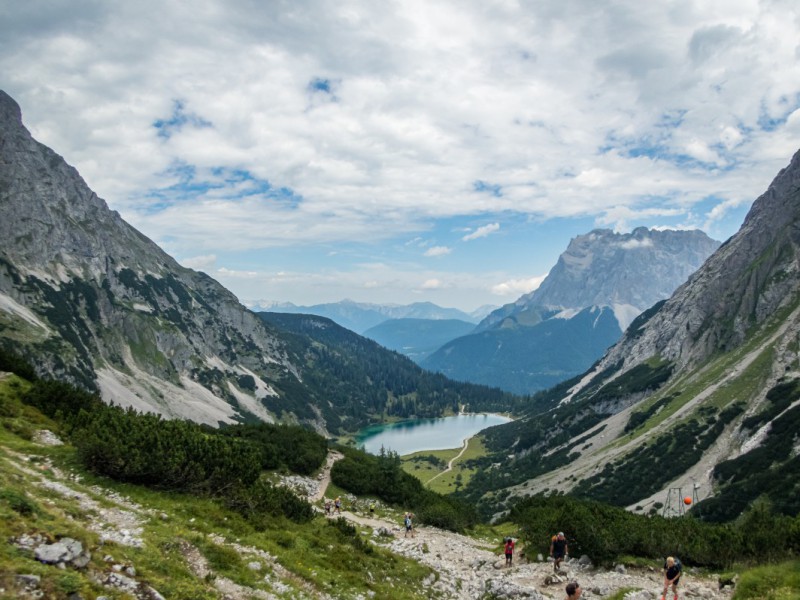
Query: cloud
(480,232)
(633,244)
(431,284)
(201,263)
(376,123)
(438,251)
(517,287)
(232,274)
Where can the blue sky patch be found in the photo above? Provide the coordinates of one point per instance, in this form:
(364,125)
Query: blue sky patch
(769,123)
(490,188)
(179,118)
(240,183)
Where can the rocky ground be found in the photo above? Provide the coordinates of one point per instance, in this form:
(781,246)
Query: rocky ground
(469,568)
(463,567)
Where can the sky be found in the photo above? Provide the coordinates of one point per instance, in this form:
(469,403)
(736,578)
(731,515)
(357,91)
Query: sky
(397,152)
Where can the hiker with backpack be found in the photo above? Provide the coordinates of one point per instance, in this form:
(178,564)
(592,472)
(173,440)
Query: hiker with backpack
(409,523)
(672,576)
(509,549)
(558,549)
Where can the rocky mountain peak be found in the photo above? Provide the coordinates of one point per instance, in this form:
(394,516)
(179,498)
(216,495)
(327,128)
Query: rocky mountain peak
(750,277)
(101,305)
(603,268)
(9,109)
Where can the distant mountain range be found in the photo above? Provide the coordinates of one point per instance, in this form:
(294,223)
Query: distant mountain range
(361,316)
(600,284)
(418,338)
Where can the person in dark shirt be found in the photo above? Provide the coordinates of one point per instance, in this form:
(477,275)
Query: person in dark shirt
(558,549)
(672,576)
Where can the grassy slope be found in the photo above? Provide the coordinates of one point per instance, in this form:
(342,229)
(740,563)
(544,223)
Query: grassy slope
(308,559)
(446,483)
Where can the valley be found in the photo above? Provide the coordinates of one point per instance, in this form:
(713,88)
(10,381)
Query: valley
(184,442)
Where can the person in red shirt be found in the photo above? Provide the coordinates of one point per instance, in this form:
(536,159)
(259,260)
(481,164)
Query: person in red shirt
(509,551)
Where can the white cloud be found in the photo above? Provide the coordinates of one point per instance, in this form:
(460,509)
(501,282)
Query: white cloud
(233,274)
(385,120)
(517,287)
(201,263)
(633,243)
(480,232)
(431,284)
(438,251)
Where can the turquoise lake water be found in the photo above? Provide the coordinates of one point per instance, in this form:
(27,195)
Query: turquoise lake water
(415,435)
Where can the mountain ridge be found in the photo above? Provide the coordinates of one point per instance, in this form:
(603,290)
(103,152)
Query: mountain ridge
(702,393)
(91,300)
(532,344)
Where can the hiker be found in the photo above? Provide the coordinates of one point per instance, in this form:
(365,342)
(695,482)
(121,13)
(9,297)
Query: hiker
(558,549)
(372,507)
(409,523)
(574,591)
(509,551)
(327,507)
(672,576)
(337,505)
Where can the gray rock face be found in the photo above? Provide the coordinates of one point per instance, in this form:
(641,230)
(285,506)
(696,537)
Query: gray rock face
(603,268)
(750,277)
(103,306)
(601,283)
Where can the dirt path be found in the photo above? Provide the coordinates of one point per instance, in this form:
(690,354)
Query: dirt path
(325,476)
(466,567)
(452,460)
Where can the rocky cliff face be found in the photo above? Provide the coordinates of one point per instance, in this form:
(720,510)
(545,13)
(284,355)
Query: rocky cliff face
(100,304)
(628,272)
(701,394)
(556,331)
(751,277)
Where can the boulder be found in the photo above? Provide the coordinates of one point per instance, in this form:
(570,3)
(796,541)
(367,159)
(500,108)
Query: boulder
(65,551)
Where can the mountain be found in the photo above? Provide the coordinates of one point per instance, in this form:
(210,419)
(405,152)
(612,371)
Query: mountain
(361,316)
(417,338)
(87,298)
(353,377)
(628,272)
(701,396)
(547,336)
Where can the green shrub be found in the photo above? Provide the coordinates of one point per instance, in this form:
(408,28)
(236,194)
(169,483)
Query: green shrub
(606,532)
(18,501)
(261,501)
(382,476)
(771,582)
(11,362)
(175,455)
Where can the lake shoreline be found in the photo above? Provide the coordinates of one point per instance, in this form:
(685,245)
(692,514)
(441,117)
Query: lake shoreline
(421,435)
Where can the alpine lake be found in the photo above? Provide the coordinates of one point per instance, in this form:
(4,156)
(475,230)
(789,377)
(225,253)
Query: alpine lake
(416,435)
